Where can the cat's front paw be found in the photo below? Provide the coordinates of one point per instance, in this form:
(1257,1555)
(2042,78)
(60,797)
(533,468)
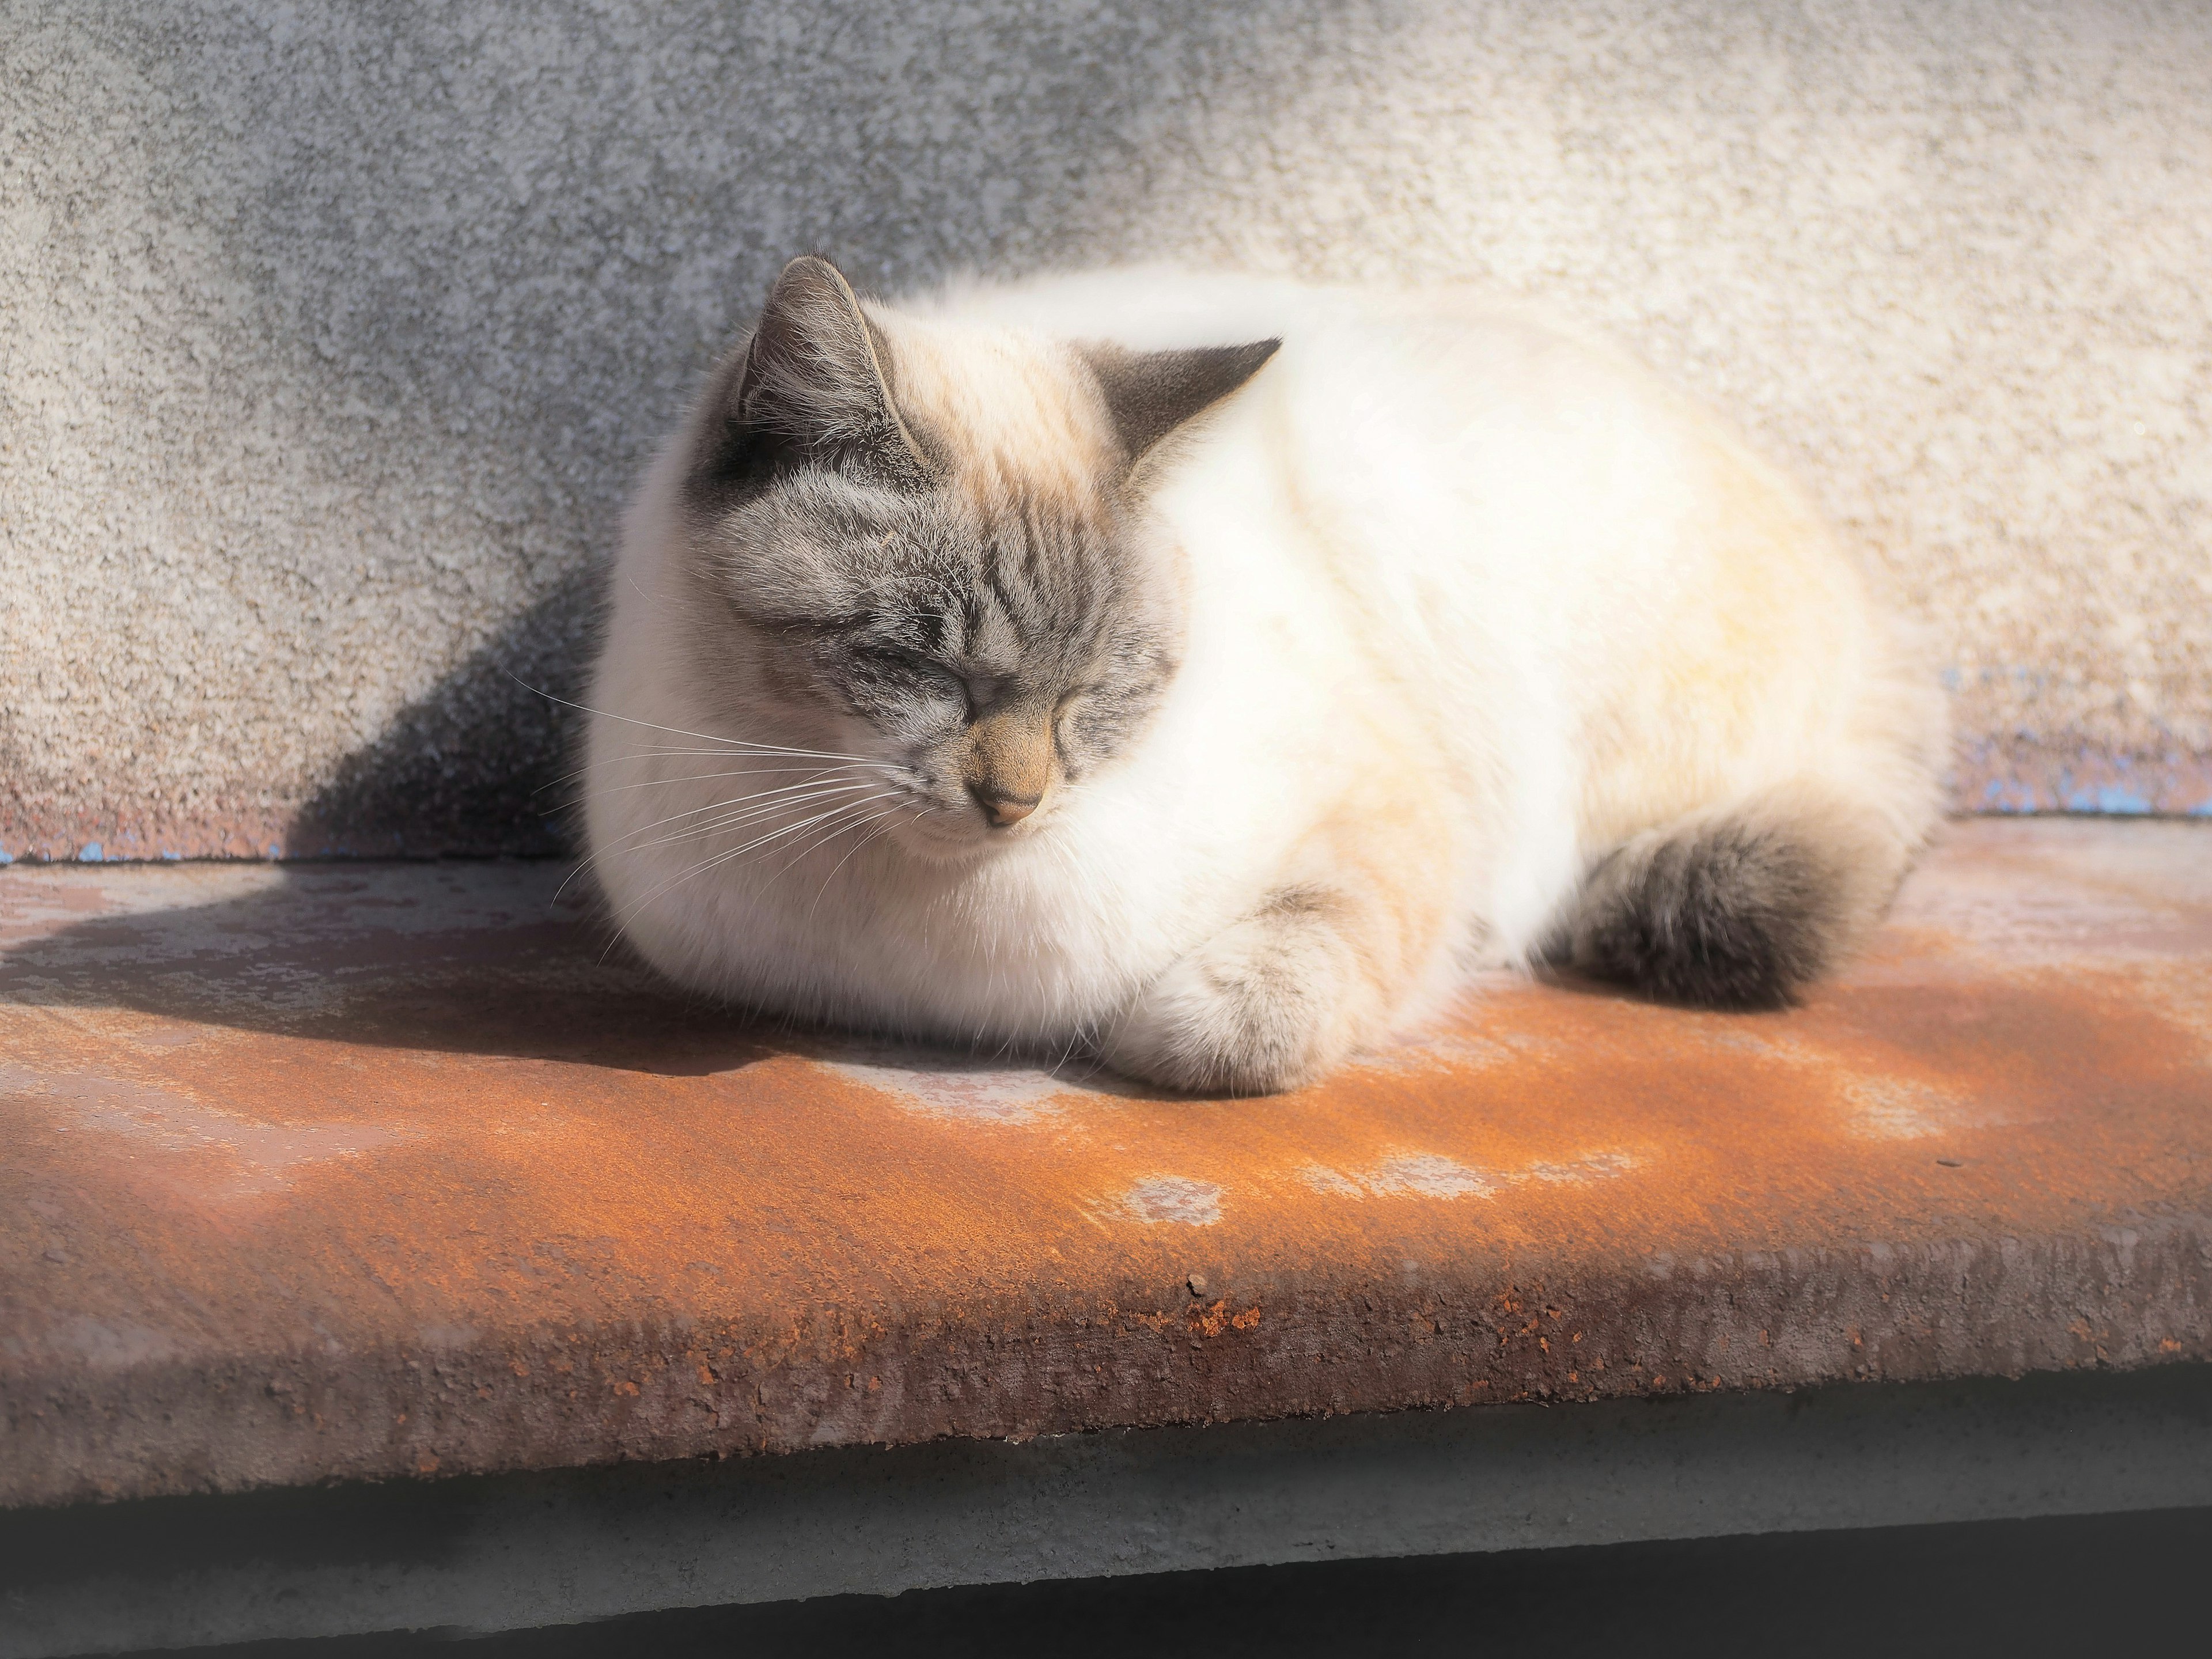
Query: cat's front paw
(1264,1006)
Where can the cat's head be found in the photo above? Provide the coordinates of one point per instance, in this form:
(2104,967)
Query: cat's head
(925,545)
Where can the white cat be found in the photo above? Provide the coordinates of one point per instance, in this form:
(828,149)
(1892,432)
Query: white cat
(1043,666)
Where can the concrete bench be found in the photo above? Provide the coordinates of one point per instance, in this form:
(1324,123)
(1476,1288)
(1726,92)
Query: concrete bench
(372,1253)
(396,1173)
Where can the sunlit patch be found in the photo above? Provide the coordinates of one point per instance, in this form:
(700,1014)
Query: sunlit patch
(265,1156)
(1324,1179)
(1432,1175)
(1896,1109)
(1429,1175)
(960,1089)
(1876,1108)
(1596,1167)
(2188,1005)
(1461,1051)
(1174,1198)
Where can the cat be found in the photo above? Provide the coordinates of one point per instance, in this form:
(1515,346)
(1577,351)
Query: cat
(1204,673)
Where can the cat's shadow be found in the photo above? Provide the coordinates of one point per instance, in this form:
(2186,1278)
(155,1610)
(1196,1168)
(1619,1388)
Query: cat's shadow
(466,958)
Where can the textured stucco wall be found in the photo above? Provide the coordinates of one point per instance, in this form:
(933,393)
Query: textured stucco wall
(331,335)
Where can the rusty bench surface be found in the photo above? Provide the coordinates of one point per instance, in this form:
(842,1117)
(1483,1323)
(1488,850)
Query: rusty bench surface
(317,1172)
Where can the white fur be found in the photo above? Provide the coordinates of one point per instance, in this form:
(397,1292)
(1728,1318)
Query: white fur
(1444,561)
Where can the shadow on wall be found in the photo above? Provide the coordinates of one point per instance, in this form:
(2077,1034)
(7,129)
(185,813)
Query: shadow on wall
(481,765)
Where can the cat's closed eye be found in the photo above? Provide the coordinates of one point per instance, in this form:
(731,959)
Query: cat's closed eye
(911,680)
(897,660)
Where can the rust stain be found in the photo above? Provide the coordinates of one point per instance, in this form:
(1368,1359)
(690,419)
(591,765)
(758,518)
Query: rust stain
(380,1169)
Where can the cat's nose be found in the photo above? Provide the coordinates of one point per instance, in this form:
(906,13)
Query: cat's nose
(1003,809)
(1008,765)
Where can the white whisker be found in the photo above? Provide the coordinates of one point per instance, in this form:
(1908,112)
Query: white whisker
(883,824)
(781,791)
(754,845)
(659,752)
(744,809)
(709,777)
(732,744)
(829,833)
(741,809)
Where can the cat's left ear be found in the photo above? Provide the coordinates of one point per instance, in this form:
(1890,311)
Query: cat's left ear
(813,388)
(1150,394)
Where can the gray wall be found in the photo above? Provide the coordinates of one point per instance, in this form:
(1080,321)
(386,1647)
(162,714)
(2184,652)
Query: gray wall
(333,334)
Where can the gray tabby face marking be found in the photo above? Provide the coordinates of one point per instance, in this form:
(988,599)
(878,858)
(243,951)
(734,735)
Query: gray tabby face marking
(989,635)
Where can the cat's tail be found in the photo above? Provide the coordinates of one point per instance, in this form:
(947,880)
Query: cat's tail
(1739,907)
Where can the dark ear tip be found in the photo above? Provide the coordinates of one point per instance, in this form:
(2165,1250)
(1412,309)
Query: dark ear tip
(1150,394)
(809,270)
(1239,363)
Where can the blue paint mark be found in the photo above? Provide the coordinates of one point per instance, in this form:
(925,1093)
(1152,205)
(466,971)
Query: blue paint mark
(90,852)
(2203,809)
(168,857)
(2113,799)
(273,853)
(7,857)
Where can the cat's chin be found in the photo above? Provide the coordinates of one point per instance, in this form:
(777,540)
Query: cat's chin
(940,846)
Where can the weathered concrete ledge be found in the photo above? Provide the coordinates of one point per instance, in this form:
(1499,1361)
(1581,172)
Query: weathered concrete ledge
(364,1171)
(475,1554)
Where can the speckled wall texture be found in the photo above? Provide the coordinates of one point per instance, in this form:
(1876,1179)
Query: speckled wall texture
(333,334)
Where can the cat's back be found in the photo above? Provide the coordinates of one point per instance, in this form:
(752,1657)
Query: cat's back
(1517,528)
(1385,401)
(1443,337)
(1487,484)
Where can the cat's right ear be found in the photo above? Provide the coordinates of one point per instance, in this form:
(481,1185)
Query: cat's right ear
(1149,394)
(811,390)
